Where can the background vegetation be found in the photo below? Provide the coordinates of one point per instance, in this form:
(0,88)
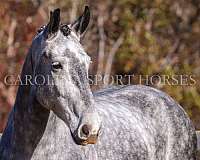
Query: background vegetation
(140,37)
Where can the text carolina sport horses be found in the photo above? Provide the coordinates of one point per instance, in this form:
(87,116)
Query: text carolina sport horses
(61,119)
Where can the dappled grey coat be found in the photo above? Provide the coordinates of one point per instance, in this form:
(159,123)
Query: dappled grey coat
(139,123)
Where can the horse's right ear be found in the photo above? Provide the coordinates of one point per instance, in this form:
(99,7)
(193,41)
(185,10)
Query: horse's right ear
(80,25)
(54,22)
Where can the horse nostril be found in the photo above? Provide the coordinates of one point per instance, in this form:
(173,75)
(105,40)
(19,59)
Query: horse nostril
(87,135)
(85,130)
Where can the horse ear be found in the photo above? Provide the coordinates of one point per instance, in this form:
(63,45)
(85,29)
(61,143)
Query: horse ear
(80,25)
(54,22)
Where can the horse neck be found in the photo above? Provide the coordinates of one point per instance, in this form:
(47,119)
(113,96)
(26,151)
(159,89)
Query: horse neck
(27,121)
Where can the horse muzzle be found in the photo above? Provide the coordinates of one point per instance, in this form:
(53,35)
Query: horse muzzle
(87,135)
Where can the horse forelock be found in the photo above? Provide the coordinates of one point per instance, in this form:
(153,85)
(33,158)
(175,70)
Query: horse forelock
(62,45)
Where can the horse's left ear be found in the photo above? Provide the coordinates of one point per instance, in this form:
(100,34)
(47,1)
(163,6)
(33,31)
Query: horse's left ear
(80,25)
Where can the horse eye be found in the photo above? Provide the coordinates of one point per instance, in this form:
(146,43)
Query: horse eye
(56,65)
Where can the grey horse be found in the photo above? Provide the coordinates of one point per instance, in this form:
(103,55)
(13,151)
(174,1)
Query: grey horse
(56,116)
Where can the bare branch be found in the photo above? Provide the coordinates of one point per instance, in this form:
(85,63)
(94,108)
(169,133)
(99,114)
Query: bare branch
(169,59)
(198,139)
(74,10)
(149,22)
(101,51)
(8,93)
(11,37)
(42,13)
(111,56)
